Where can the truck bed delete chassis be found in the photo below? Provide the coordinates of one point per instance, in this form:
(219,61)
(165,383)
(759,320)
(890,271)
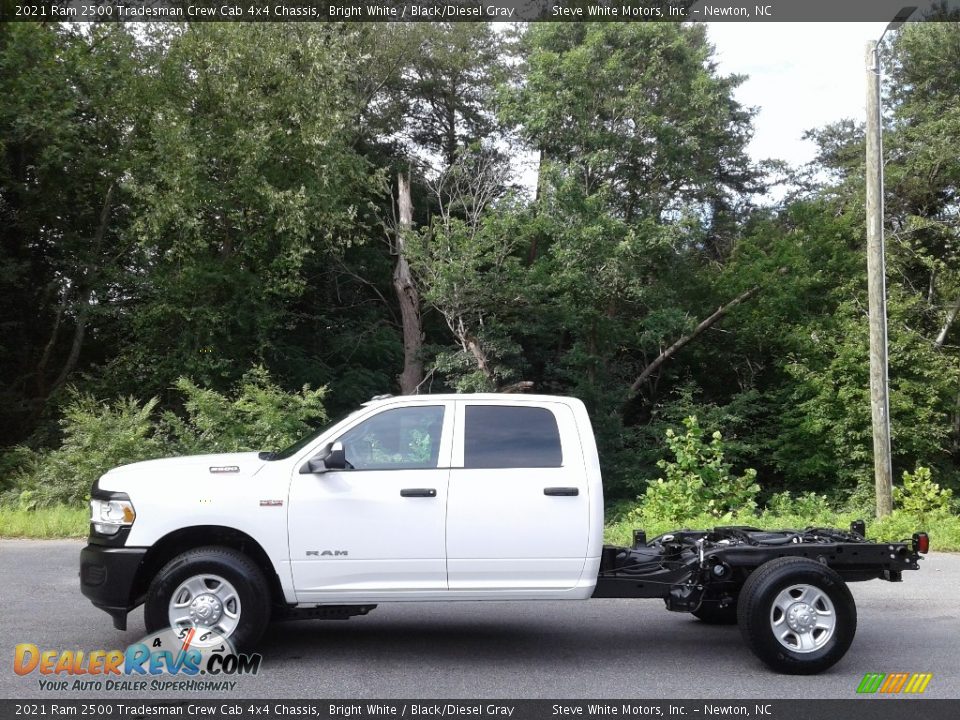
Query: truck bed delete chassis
(693,568)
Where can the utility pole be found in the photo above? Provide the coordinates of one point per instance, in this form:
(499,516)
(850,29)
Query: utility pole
(877,291)
(407,295)
(876,278)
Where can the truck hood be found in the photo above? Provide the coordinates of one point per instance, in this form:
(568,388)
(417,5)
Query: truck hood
(189,469)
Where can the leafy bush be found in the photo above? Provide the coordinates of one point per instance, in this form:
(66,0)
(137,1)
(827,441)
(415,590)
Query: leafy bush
(99,436)
(699,480)
(96,437)
(921,497)
(13,460)
(808,504)
(944,529)
(258,416)
(863,500)
(672,500)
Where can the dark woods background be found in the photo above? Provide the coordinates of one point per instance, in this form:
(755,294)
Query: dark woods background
(194,219)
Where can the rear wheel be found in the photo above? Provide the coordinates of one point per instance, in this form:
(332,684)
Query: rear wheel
(216,591)
(797,615)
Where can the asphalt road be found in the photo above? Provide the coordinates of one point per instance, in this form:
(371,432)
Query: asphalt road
(586,650)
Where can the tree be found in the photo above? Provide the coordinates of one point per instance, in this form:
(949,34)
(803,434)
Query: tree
(247,179)
(407,294)
(436,98)
(639,176)
(448,87)
(74,106)
(466,265)
(595,105)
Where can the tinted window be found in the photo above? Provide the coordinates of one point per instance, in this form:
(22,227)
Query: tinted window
(519,437)
(402,438)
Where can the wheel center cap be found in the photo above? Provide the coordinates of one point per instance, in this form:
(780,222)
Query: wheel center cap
(801,617)
(206,609)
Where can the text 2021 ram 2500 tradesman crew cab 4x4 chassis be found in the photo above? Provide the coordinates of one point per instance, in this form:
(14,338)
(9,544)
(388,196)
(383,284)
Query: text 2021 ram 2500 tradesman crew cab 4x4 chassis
(448,497)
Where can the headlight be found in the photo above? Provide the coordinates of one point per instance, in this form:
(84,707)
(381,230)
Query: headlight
(108,516)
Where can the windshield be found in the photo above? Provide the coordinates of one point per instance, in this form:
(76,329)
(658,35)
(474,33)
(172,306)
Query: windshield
(303,442)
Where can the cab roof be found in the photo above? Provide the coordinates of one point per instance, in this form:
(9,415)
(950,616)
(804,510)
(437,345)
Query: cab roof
(486,397)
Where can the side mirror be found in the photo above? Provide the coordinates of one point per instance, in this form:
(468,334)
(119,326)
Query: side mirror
(337,457)
(332,458)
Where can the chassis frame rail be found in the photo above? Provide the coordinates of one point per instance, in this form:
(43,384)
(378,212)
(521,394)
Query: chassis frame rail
(688,567)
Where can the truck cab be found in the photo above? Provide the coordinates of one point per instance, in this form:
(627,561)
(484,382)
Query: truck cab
(437,496)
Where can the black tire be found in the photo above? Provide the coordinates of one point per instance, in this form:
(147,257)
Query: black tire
(711,613)
(231,565)
(760,610)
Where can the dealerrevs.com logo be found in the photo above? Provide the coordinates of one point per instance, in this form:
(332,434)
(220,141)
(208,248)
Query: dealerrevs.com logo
(161,661)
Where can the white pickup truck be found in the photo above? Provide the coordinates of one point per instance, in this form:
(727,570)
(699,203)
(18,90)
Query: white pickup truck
(448,497)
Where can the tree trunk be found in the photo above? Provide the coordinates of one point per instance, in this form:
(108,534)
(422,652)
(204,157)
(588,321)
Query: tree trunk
(407,296)
(79,334)
(704,325)
(86,299)
(538,201)
(483,363)
(41,370)
(947,324)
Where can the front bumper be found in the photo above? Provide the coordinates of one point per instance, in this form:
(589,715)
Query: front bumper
(107,576)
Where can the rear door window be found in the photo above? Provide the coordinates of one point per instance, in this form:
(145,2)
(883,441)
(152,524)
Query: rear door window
(500,436)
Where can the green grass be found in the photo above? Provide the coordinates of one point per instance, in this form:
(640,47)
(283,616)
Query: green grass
(68,522)
(60,521)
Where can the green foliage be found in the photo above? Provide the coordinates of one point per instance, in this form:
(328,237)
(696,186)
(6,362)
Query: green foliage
(698,480)
(191,201)
(672,500)
(258,415)
(808,504)
(247,177)
(96,437)
(71,104)
(595,102)
(12,462)
(921,497)
(446,92)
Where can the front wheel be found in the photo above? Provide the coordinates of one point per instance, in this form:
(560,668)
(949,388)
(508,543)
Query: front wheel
(216,591)
(797,615)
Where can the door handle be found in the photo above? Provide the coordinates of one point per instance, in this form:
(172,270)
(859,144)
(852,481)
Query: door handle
(418,492)
(561,491)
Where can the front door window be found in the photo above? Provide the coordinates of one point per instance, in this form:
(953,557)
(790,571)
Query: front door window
(399,439)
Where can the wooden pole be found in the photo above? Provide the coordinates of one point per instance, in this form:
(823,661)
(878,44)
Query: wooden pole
(877,290)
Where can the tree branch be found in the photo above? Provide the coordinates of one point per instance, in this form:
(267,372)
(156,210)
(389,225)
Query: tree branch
(704,325)
(517,387)
(947,324)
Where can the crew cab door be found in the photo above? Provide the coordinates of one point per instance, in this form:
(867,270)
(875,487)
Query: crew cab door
(376,527)
(518,509)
